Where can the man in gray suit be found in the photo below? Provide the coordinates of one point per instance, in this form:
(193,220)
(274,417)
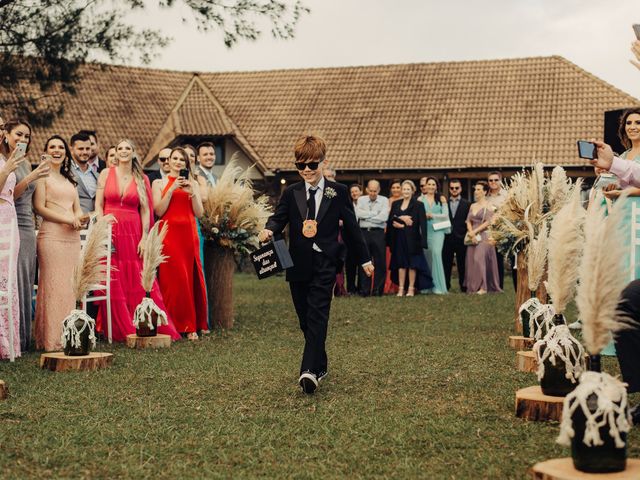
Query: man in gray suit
(85,171)
(206,160)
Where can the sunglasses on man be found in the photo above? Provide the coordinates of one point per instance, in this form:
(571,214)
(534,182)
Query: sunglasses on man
(163,159)
(302,165)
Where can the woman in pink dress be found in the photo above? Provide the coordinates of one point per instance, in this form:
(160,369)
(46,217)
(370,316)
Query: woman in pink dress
(124,192)
(9,162)
(58,245)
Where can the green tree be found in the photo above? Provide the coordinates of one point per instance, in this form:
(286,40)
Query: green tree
(43,43)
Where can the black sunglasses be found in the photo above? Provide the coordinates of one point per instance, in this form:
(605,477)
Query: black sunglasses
(163,159)
(302,165)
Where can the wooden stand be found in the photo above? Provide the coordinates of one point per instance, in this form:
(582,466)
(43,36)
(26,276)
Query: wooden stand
(562,469)
(4,390)
(159,341)
(526,361)
(518,342)
(522,288)
(532,404)
(59,362)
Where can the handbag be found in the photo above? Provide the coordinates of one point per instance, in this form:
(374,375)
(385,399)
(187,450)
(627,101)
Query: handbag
(474,239)
(442,225)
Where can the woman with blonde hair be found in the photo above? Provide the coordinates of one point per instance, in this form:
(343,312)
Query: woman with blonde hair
(407,237)
(124,192)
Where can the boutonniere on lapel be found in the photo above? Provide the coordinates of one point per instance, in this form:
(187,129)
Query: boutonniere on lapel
(329,192)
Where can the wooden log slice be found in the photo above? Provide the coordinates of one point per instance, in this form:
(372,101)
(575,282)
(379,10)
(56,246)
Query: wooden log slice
(532,404)
(4,390)
(563,469)
(159,341)
(526,361)
(518,342)
(59,362)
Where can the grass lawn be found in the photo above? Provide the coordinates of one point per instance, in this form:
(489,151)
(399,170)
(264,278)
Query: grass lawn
(418,388)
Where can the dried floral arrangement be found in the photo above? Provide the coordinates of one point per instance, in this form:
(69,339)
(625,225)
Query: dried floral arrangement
(233,217)
(532,199)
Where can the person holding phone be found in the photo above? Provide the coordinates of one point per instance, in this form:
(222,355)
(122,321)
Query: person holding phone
(124,192)
(56,201)
(177,201)
(11,158)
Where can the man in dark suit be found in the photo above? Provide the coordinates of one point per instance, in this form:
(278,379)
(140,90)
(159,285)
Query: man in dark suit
(454,241)
(313,210)
(163,166)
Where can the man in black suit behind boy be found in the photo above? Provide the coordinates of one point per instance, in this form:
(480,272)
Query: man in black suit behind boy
(454,241)
(313,209)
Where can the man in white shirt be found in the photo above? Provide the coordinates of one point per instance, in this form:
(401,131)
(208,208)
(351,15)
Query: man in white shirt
(372,211)
(206,160)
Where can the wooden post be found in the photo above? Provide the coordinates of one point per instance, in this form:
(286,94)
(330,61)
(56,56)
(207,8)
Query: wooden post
(563,469)
(526,361)
(4,390)
(220,267)
(522,291)
(59,362)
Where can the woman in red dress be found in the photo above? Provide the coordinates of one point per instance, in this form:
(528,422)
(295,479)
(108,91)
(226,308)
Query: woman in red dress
(395,193)
(177,201)
(124,191)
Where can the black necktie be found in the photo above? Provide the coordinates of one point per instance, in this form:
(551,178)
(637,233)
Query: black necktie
(311,204)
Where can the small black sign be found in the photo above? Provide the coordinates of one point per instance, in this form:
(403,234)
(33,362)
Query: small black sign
(271,258)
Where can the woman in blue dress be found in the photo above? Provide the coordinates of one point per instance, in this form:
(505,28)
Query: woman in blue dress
(437,211)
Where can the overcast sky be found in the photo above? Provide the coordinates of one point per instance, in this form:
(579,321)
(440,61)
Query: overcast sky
(594,34)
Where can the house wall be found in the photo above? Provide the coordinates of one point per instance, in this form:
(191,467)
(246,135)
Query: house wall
(230,149)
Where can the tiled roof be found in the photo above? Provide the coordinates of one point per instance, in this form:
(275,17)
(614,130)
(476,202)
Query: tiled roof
(476,114)
(437,115)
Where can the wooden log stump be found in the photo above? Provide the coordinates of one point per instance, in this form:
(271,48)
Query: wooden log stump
(526,361)
(532,404)
(4,390)
(518,342)
(563,469)
(59,362)
(159,341)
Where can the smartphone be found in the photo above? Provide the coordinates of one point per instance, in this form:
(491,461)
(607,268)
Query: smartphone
(184,173)
(636,29)
(44,158)
(587,150)
(21,150)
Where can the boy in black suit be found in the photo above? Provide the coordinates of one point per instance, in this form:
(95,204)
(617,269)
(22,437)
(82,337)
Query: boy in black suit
(313,209)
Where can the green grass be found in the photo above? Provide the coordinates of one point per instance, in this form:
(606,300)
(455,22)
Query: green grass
(418,388)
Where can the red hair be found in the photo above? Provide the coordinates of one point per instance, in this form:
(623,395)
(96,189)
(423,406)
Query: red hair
(310,147)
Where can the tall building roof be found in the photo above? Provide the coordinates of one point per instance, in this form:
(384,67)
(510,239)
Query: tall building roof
(475,114)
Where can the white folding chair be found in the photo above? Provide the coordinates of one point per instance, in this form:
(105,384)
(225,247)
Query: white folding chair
(634,241)
(106,286)
(8,252)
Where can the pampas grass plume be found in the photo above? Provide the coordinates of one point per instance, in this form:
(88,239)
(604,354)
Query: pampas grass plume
(566,242)
(602,274)
(152,256)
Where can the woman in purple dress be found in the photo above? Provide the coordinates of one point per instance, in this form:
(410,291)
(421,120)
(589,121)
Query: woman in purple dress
(481,264)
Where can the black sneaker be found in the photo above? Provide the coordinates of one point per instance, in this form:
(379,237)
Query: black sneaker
(308,382)
(321,375)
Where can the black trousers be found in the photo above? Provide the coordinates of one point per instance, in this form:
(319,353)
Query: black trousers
(454,248)
(351,273)
(500,259)
(628,340)
(377,246)
(312,301)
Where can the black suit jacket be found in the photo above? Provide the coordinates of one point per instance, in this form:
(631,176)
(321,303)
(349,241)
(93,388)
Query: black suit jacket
(292,210)
(458,225)
(101,164)
(417,233)
(153,175)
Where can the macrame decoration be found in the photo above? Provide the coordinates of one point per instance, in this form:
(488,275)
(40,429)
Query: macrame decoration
(541,321)
(147,316)
(78,333)
(596,415)
(526,311)
(560,359)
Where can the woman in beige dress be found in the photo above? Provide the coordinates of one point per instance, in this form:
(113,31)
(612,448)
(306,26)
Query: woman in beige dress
(56,201)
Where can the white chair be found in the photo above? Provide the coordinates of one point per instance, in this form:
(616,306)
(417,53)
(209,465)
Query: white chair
(8,252)
(106,286)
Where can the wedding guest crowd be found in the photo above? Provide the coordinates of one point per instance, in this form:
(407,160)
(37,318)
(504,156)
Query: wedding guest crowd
(71,184)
